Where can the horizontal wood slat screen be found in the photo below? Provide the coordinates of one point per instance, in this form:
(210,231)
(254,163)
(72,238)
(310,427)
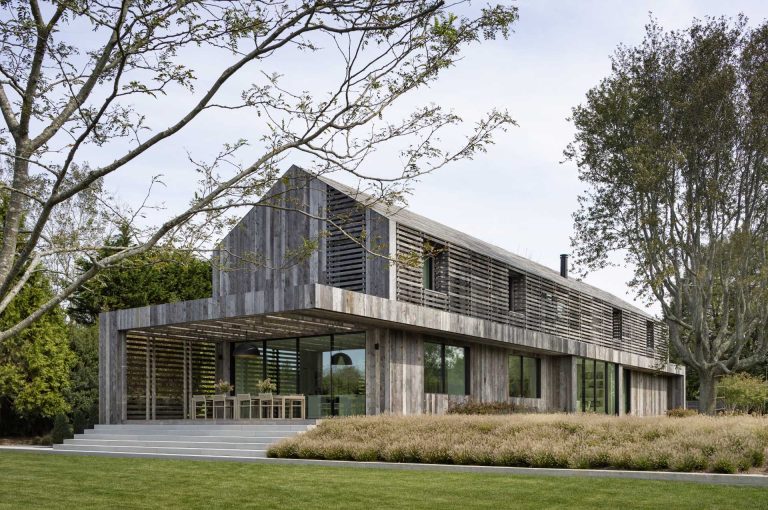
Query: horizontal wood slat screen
(345,258)
(478,286)
(156,375)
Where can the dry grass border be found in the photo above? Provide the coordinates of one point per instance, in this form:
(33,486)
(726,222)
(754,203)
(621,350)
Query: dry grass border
(713,444)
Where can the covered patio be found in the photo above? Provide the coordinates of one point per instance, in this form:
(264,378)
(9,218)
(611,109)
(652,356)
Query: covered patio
(174,371)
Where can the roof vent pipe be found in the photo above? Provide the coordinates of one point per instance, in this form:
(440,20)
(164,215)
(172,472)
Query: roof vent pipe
(564,265)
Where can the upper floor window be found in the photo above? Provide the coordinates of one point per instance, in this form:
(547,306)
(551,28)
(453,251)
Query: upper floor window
(617,324)
(516,291)
(433,260)
(445,369)
(524,377)
(650,336)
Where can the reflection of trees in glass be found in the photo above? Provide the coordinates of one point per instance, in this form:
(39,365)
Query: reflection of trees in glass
(347,380)
(454,370)
(432,372)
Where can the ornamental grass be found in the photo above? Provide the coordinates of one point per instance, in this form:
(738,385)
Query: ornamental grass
(726,444)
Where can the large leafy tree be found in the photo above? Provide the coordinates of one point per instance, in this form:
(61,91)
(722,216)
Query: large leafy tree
(87,89)
(673,145)
(161,275)
(35,364)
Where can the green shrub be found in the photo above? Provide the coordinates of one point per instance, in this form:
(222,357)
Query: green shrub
(488,408)
(42,440)
(743,392)
(62,429)
(681,412)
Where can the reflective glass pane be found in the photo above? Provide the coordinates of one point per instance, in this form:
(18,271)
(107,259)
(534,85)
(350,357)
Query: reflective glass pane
(610,397)
(589,385)
(315,374)
(432,368)
(455,372)
(348,367)
(600,387)
(283,365)
(515,376)
(249,366)
(530,377)
(579,384)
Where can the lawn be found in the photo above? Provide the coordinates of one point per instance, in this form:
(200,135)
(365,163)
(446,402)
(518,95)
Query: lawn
(726,444)
(38,480)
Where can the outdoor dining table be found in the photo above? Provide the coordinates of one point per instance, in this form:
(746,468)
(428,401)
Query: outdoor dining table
(282,402)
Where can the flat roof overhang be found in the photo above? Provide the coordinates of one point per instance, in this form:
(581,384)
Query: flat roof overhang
(320,309)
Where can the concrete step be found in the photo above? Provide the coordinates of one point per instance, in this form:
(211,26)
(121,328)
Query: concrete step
(201,432)
(216,452)
(271,438)
(170,444)
(196,428)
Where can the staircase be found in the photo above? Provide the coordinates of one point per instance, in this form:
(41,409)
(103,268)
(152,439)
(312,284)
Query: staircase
(233,440)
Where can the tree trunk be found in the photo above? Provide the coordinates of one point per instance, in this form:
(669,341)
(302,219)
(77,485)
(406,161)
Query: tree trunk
(707,392)
(13,216)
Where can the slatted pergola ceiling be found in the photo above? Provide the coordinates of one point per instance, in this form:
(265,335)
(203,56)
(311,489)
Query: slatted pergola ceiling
(253,327)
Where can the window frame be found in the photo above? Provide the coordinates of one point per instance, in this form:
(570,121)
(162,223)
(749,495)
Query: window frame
(443,372)
(516,289)
(617,324)
(581,396)
(650,335)
(537,375)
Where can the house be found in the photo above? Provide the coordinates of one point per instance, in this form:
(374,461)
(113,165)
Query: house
(298,297)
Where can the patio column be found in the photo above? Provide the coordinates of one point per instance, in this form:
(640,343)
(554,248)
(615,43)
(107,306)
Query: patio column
(113,404)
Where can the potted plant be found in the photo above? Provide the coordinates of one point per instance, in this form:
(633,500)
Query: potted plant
(267,386)
(223,387)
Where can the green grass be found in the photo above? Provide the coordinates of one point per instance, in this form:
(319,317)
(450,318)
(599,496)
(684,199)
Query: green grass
(37,480)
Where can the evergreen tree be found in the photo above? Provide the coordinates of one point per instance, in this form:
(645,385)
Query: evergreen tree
(161,275)
(34,364)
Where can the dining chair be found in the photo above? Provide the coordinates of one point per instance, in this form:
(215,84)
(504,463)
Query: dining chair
(220,402)
(240,399)
(266,401)
(199,403)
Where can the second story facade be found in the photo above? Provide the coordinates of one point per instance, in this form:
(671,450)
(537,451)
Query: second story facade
(315,230)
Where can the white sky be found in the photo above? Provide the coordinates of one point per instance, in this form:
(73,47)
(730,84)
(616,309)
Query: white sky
(558,51)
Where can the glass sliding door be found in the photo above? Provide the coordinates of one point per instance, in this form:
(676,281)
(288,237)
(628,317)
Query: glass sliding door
(248,366)
(329,370)
(596,386)
(315,374)
(348,374)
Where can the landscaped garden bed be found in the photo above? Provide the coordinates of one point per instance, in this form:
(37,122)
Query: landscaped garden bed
(726,444)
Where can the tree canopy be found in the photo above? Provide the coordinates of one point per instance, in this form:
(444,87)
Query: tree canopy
(672,145)
(78,109)
(161,275)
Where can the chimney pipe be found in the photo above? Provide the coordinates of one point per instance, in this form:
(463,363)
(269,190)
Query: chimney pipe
(564,265)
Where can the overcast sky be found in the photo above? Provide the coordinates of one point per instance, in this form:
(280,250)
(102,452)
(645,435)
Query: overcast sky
(518,196)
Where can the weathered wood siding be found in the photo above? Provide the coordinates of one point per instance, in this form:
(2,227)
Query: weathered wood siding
(260,252)
(264,250)
(476,285)
(649,394)
(394,372)
(488,373)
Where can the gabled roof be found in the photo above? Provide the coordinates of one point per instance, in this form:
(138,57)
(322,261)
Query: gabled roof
(451,235)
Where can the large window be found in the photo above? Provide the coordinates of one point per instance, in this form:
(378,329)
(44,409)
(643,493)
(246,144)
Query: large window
(446,369)
(524,377)
(329,370)
(596,386)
